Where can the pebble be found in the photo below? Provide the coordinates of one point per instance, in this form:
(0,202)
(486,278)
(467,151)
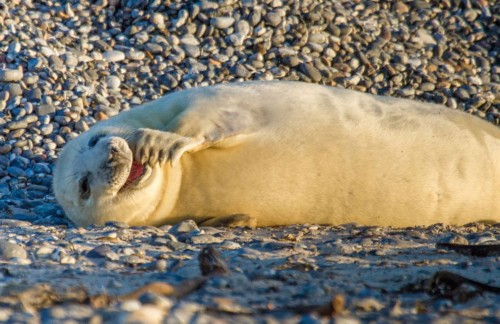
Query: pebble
(452,103)
(427,86)
(45,250)
(205,239)
(70,60)
(407,92)
(13,223)
(455,239)
(158,20)
(242,28)
(145,314)
(80,312)
(183,312)
(34,95)
(135,55)
(229,245)
(184,227)
(192,50)
(113,82)
(9,75)
(240,71)
(463,94)
(400,7)
(5,313)
(222,22)
(113,56)
(15,172)
(130,305)
(9,250)
(273,18)
(45,109)
(369,304)
(160,265)
(6,148)
(312,72)
(181,18)
(161,302)
(13,125)
(102,251)
(475,80)
(14,89)
(424,37)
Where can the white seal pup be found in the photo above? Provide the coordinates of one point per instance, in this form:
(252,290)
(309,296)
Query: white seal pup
(279,153)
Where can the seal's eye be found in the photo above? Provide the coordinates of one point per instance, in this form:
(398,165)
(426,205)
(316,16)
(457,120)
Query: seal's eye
(84,188)
(93,141)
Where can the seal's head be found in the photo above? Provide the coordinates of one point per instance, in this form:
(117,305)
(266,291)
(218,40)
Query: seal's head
(96,179)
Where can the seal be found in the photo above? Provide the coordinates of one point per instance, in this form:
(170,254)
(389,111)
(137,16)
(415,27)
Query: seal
(280,153)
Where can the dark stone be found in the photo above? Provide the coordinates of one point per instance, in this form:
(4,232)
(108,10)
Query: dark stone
(310,71)
(45,109)
(15,172)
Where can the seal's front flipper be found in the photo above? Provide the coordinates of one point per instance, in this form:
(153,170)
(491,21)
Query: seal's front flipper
(235,220)
(217,125)
(153,146)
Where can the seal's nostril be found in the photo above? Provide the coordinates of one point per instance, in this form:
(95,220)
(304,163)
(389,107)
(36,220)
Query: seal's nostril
(112,152)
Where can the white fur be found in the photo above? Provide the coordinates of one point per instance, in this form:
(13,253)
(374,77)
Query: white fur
(292,153)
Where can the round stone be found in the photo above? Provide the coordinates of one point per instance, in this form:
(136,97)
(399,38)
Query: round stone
(400,7)
(30,78)
(113,56)
(15,172)
(158,20)
(14,89)
(9,75)
(242,28)
(101,251)
(184,227)
(135,55)
(9,250)
(113,82)
(222,22)
(45,109)
(312,72)
(273,18)
(192,50)
(240,71)
(427,86)
(70,60)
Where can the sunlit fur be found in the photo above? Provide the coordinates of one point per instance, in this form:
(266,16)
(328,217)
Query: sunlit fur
(294,153)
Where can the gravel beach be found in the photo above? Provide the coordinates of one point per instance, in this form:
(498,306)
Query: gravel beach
(64,65)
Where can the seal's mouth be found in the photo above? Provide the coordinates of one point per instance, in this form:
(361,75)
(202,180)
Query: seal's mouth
(137,173)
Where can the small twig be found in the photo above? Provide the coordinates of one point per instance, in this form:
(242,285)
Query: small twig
(165,289)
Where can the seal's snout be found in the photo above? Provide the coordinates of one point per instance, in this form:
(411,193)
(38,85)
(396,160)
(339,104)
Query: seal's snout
(118,151)
(114,154)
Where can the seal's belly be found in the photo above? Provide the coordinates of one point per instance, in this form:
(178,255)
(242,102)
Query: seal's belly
(352,177)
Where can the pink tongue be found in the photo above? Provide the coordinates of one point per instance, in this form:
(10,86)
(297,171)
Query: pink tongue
(135,172)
